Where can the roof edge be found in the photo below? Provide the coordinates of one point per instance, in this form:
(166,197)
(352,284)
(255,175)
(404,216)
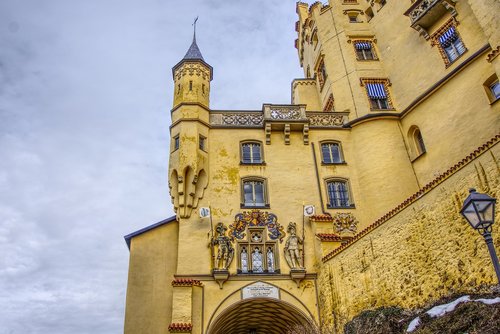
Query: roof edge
(128,237)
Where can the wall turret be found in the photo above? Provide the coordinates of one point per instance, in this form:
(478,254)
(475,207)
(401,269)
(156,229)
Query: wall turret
(188,164)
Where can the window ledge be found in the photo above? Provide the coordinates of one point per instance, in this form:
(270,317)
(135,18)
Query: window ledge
(367,60)
(249,273)
(333,163)
(263,163)
(352,206)
(494,101)
(243,206)
(418,157)
(388,109)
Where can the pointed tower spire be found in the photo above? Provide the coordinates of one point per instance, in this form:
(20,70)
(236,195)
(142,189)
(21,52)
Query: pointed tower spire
(193,51)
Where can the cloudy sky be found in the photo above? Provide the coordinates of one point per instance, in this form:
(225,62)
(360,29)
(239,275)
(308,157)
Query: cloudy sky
(85,94)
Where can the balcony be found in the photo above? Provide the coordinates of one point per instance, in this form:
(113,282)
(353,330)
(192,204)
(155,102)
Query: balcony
(425,13)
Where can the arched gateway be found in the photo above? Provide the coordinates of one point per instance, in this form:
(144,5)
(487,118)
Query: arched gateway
(261,316)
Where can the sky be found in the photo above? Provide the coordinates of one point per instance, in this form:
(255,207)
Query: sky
(85,97)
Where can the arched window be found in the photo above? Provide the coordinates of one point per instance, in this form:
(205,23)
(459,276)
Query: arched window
(308,73)
(254,193)
(251,153)
(331,153)
(258,254)
(416,141)
(338,194)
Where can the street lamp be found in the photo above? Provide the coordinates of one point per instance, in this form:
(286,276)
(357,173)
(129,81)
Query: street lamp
(479,210)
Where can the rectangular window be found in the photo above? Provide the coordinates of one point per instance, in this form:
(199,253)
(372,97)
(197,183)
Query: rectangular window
(251,153)
(378,96)
(254,193)
(495,90)
(202,143)
(364,50)
(176,142)
(338,194)
(451,44)
(331,153)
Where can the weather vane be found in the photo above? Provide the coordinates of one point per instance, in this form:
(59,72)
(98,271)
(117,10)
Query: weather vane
(194,25)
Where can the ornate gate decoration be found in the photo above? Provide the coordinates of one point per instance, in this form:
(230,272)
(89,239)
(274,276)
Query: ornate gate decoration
(256,218)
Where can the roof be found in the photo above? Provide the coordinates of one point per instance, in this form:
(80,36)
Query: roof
(194,52)
(129,237)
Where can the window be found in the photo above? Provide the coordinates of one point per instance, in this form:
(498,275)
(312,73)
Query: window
(254,193)
(492,88)
(329,106)
(353,18)
(190,85)
(251,153)
(257,254)
(338,194)
(176,142)
(321,73)
(416,141)
(364,50)
(376,90)
(451,45)
(202,143)
(495,89)
(331,153)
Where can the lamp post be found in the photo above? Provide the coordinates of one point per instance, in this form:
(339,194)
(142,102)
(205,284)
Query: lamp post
(479,211)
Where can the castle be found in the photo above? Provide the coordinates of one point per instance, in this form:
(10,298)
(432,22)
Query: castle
(302,215)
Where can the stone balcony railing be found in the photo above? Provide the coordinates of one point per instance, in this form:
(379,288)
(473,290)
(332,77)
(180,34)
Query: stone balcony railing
(277,114)
(424,13)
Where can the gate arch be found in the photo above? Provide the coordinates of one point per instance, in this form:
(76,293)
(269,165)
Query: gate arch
(259,316)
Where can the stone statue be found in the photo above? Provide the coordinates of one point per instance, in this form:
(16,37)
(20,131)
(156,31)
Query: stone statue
(225,250)
(292,248)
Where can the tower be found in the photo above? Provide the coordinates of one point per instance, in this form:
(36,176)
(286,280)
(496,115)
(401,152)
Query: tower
(188,166)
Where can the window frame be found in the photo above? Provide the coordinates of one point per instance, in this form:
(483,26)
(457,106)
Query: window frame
(202,143)
(261,150)
(340,152)
(176,143)
(436,39)
(265,194)
(489,87)
(264,243)
(417,142)
(361,54)
(377,104)
(347,190)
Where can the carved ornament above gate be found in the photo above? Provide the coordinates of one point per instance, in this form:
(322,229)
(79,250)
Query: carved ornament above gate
(256,218)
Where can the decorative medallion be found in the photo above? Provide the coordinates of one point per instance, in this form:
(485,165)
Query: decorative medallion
(345,222)
(256,218)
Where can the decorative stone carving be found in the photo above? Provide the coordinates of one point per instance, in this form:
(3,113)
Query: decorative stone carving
(285,113)
(293,248)
(192,69)
(345,222)
(225,250)
(326,119)
(242,119)
(256,218)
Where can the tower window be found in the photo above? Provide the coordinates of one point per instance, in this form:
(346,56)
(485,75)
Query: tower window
(203,88)
(329,106)
(492,88)
(364,50)
(251,153)
(176,142)
(254,193)
(331,153)
(416,141)
(338,194)
(321,73)
(449,43)
(202,143)
(377,92)
(190,85)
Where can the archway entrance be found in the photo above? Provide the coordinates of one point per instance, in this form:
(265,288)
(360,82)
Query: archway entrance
(261,316)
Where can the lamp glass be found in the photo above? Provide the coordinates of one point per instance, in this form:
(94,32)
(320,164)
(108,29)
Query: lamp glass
(485,210)
(469,212)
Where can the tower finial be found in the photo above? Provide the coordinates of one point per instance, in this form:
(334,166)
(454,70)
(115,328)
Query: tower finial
(194,29)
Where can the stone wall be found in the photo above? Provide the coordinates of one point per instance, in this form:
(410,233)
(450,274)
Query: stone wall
(422,253)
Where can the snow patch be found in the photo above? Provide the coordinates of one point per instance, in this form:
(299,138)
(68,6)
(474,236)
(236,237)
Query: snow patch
(440,310)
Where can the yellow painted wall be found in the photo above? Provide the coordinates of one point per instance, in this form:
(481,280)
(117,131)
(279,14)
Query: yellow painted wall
(153,262)
(425,252)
